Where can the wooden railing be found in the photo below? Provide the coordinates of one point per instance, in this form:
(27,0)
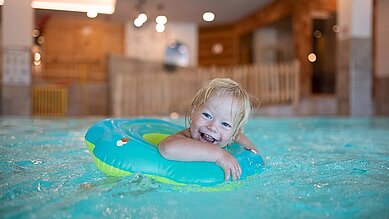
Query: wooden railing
(136,92)
(49,100)
(72,70)
(66,73)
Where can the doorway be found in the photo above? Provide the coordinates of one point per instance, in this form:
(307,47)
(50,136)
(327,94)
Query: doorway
(324,54)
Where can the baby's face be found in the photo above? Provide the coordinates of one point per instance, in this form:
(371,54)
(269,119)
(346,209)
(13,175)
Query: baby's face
(214,122)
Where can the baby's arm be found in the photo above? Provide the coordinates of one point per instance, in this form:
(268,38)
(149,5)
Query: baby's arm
(182,147)
(243,140)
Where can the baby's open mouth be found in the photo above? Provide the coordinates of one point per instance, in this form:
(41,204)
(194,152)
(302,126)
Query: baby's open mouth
(207,138)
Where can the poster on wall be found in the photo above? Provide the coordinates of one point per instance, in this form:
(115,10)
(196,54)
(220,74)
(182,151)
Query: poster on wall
(16,66)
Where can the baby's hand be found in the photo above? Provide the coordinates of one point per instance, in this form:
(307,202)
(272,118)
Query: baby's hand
(230,165)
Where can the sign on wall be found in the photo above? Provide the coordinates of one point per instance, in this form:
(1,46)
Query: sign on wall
(16,66)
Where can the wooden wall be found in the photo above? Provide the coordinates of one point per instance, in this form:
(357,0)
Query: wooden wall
(380,57)
(211,37)
(73,47)
(232,35)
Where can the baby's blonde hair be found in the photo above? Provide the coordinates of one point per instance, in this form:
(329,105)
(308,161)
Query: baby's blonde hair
(224,87)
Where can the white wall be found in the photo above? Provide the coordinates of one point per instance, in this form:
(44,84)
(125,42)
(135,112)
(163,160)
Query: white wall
(361,17)
(344,18)
(354,18)
(17,23)
(148,45)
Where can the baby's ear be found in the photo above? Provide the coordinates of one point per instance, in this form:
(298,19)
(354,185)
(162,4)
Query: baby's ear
(191,114)
(193,109)
(237,135)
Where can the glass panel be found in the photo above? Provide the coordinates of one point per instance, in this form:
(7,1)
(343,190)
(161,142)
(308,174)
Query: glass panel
(177,54)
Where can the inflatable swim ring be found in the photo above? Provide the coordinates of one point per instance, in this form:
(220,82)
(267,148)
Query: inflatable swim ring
(121,147)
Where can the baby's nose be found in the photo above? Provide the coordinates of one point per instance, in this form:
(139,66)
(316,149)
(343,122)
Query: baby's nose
(212,126)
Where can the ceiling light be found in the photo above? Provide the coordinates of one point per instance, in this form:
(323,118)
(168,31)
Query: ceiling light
(142,17)
(312,57)
(138,22)
(161,19)
(317,34)
(36,63)
(37,56)
(335,28)
(217,48)
(35,33)
(91,14)
(209,16)
(99,6)
(160,28)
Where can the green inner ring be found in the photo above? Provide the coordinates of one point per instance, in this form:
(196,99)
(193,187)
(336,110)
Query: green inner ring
(154,138)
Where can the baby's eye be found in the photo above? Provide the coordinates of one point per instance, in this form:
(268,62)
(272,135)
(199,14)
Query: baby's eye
(206,115)
(227,125)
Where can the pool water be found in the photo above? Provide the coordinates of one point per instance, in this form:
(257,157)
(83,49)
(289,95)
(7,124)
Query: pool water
(315,168)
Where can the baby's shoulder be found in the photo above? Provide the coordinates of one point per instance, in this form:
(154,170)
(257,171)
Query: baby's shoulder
(185,133)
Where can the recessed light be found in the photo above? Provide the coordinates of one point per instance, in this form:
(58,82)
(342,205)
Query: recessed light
(209,16)
(161,19)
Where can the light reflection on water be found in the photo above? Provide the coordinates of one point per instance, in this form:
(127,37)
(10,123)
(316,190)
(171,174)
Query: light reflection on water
(315,168)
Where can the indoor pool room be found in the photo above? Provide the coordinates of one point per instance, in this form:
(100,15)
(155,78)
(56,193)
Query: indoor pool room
(147,109)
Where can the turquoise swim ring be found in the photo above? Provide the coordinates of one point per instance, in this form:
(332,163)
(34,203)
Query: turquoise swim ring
(122,147)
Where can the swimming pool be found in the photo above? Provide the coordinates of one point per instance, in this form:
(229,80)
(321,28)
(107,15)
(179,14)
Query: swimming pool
(315,168)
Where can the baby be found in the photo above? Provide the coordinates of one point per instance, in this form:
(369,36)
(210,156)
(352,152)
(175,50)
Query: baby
(217,115)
